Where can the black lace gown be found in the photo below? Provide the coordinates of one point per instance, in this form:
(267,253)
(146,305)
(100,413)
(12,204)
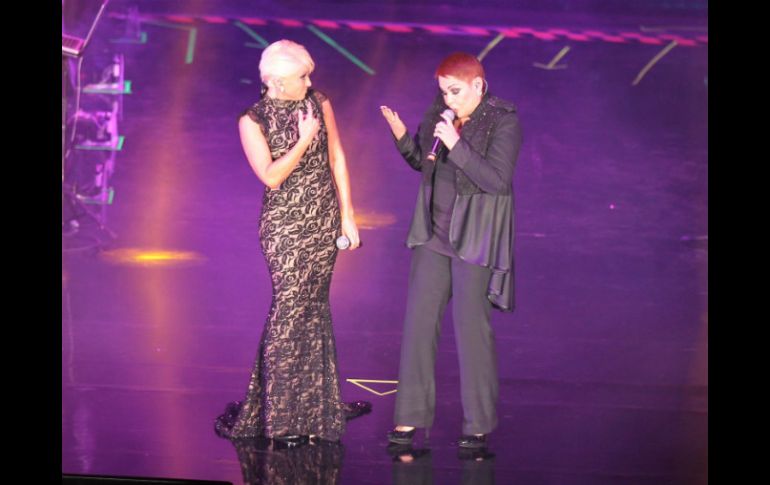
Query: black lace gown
(294,386)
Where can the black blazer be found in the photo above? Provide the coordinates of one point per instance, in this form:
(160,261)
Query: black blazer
(481,228)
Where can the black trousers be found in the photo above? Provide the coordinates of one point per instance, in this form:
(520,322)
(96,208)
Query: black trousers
(433,279)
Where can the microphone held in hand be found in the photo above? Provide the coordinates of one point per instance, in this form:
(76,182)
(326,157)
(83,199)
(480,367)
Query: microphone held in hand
(343,242)
(437,141)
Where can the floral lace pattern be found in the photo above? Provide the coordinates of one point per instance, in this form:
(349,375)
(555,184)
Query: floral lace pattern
(294,387)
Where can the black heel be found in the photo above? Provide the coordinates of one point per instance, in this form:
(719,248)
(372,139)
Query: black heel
(356,409)
(472,441)
(401,437)
(475,454)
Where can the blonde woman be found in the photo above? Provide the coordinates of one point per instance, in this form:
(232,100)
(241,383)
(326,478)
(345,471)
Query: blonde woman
(291,141)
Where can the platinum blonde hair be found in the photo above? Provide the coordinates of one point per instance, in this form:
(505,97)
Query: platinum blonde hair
(282,58)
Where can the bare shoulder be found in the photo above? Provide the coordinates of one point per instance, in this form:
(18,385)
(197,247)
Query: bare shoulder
(246,121)
(251,128)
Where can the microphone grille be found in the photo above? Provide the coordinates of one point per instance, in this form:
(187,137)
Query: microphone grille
(448,112)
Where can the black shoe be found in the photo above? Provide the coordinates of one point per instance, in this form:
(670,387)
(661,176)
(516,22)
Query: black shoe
(317,440)
(356,409)
(401,437)
(395,449)
(472,441)
(290,440)
(474,454)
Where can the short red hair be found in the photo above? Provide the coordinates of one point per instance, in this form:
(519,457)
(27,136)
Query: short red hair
(460,65)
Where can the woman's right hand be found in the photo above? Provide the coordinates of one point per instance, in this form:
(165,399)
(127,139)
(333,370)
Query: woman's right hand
(308,125)
(396,125)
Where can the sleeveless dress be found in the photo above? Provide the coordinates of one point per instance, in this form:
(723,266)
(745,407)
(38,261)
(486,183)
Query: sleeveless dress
(294,386)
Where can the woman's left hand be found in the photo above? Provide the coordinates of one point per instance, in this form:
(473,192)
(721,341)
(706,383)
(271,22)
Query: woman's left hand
(446,132)
(350,230)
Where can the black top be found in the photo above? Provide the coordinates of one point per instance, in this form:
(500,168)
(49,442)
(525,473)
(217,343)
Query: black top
(441,206)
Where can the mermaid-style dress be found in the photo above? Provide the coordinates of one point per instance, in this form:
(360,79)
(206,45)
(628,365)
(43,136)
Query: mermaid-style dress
(294,387)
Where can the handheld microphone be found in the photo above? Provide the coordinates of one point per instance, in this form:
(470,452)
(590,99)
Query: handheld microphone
(343,242)
(437,141)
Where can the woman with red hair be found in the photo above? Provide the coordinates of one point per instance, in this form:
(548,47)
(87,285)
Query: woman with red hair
(462,239)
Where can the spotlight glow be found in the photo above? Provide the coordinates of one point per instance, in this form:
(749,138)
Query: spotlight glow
(151,257)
